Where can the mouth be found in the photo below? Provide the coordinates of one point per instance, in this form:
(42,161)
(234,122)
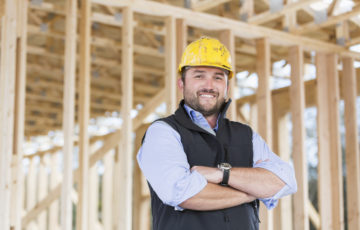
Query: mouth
(205,95)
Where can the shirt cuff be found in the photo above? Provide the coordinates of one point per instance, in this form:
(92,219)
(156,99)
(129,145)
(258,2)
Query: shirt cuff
(271,202)
(284,172)
(194,190)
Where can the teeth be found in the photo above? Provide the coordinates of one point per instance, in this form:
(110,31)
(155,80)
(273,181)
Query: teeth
(205,95)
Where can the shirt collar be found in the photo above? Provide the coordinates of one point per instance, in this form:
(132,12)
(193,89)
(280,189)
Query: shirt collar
(199,119)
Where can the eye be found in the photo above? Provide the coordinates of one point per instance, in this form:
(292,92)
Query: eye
(198,76)
(220,78)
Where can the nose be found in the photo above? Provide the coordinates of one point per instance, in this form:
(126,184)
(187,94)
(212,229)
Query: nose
(209,83)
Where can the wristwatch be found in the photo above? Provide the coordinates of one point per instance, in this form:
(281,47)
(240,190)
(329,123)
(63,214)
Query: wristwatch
(225,167)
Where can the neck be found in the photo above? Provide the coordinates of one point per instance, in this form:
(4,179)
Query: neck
(212,120)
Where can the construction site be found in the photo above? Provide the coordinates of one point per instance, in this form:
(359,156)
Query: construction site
(82,80)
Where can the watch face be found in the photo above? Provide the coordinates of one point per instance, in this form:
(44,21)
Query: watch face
(225,166)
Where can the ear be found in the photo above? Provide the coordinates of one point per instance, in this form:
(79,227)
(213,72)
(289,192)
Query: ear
(228,89)
(180,84)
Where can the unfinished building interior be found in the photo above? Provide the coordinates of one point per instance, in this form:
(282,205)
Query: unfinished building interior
(81,80)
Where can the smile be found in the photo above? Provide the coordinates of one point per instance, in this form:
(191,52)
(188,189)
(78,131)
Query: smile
(207,95)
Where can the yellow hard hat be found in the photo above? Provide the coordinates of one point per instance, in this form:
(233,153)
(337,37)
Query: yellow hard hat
(207,52)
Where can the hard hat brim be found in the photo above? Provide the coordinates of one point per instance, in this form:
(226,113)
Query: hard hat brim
(231,73)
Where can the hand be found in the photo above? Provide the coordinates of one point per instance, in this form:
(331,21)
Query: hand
(212,175)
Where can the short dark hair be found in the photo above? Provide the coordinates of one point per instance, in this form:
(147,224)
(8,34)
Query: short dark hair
(185,68)
(183,73)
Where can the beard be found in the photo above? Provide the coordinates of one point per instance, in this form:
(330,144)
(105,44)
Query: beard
(206,110)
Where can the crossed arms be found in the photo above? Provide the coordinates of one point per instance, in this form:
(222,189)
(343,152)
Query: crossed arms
(164,164)
(245,185)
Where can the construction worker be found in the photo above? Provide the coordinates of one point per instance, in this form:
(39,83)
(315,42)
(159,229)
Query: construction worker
(204,171)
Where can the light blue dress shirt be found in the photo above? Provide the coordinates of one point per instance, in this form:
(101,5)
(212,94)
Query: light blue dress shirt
(164,163)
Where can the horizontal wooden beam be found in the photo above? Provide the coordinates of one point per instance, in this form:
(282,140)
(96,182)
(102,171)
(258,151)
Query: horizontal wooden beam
(281,96)
(207,4)
(95,17)
(240,29)
(333,20)
(110,142)
(268,15)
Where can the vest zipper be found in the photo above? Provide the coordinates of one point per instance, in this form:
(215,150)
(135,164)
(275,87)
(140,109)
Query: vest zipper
(255,207)
(226,218)
(226,155)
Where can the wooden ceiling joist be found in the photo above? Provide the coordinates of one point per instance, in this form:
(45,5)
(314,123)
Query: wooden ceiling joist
(98,41)
(103,61)
(205,5)
(240,29)
(95,17)
(268,15)
(333,20)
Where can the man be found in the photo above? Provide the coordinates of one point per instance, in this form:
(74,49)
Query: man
(204,171)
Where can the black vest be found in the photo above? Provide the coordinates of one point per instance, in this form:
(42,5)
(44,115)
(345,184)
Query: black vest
(233,144)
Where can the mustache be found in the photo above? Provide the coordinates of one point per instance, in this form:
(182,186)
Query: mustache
(208,91)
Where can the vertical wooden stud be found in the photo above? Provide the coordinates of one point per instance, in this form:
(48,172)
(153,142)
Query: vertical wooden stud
(289,21)
(342,33)
(335,144)
(140,218)
(228,39)
(137,218)
(42,190)
(126,159)
(170,64)
(263,95)
(116,189)
(145,214)
(84,115)
(283,211)
(106,190)
(181,42)
(7,91)
(31,189)
(324,181)
(93,197)
(352,145)
(17,175)
(297,107)
(247,9)
(54,181)
(2,8)
(254,116)
(68,113)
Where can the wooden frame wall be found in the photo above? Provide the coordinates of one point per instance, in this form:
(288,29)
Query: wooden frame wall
(122,218)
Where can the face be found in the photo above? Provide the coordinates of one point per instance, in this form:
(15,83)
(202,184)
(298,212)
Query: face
(205,89)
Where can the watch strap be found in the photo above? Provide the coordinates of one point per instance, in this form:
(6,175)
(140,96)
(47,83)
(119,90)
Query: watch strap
(226,175)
